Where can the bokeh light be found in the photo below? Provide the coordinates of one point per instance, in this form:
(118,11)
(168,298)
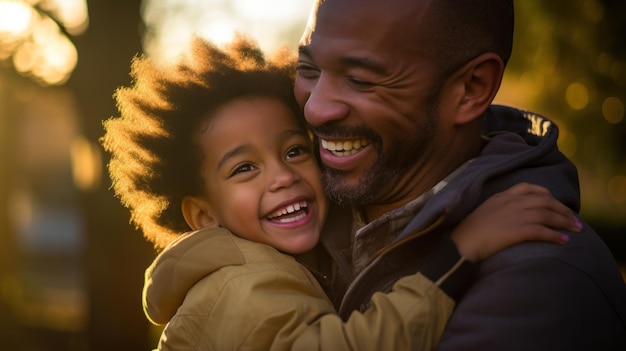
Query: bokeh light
(31,39)
(16,22)
(568,142)
(613,110)
(86,161)
(616,189)
(577,96)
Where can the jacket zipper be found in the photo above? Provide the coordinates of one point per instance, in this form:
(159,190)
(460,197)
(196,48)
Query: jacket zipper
(389,282)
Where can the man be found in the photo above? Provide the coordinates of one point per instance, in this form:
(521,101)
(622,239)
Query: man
(398,94)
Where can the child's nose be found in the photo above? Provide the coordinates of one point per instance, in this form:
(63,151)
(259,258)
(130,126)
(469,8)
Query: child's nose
(283,177)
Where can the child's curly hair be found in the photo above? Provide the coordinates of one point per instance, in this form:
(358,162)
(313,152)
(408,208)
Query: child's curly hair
(155,159)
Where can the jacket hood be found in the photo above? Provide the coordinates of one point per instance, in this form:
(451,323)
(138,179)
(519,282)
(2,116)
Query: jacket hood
(181,265)
(522,147)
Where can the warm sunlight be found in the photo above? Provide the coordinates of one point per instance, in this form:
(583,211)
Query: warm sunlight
(171,23)
(16,20)
(270,9)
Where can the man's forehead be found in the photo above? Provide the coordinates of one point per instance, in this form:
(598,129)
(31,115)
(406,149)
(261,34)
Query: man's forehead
(395,23)
(363,15)
(345,8)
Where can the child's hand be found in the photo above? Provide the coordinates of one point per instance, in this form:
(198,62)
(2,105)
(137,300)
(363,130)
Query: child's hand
(524,212)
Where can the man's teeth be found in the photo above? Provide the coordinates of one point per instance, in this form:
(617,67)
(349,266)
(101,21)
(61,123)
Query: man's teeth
(344,148)
(288,210)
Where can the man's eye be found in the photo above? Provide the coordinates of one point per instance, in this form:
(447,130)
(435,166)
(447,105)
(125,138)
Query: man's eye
(306,70)
(359,83)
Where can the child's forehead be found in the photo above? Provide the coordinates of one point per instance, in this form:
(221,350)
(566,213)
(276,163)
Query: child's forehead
(267,112)
(257,127)
(261,107)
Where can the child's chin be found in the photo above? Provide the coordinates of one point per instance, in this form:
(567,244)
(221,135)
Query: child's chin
(299,248)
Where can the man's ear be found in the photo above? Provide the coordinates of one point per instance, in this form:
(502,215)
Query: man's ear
(198,213)
(480,79)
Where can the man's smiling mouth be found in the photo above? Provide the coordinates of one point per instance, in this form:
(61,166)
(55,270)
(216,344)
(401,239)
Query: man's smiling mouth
(344,147)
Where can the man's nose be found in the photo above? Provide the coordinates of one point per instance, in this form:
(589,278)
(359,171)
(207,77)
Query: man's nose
(325,103)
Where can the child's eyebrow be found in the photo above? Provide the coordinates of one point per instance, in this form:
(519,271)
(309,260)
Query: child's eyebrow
(232,153)
(291,132)
(243,148)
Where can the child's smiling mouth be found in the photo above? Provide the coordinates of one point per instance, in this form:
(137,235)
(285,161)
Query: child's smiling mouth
(290,213)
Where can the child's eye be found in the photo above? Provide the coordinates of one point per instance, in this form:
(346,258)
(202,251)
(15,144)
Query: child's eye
(296,151)
(242,168)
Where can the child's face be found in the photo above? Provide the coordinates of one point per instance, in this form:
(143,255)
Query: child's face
(261,177)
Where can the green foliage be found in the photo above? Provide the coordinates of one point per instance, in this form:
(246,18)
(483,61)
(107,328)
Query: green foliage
(569,63)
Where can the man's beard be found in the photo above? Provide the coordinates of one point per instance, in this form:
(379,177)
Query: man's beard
(377,180)
(380,179)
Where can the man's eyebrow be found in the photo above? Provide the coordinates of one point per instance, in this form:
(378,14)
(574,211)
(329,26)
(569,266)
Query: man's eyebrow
(363,62)
(350,61)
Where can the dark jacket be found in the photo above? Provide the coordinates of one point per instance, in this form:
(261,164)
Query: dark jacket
(533,296)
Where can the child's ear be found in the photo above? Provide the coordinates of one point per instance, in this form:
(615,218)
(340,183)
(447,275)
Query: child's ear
(198,213)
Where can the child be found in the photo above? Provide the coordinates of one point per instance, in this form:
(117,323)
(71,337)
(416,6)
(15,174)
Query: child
(216,147)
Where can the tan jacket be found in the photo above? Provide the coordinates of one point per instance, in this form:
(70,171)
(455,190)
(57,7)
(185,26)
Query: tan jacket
(216,291)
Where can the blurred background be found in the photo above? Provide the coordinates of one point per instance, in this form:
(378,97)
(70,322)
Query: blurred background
(71,266)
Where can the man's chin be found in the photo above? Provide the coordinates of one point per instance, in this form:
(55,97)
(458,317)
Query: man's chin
(343,191)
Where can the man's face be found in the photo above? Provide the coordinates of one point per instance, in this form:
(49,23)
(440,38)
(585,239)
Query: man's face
(369,93)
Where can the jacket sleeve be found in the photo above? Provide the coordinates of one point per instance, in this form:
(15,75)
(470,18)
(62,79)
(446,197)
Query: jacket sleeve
(278,310)
(542,302)
(411,317)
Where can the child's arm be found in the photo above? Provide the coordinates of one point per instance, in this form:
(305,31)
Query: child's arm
(524,212)
(284,308)
(413,316)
